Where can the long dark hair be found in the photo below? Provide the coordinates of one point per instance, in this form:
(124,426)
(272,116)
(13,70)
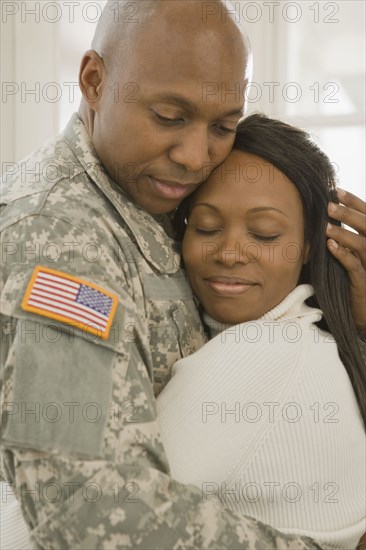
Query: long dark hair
(293,152)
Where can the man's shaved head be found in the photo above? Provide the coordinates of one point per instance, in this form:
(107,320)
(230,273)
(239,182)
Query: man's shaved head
(123,22)
(119,27)
(163,90)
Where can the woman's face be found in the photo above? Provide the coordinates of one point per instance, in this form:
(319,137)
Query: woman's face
(244,246)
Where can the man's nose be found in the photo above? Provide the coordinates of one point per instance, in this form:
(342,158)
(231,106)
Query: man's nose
(192,149)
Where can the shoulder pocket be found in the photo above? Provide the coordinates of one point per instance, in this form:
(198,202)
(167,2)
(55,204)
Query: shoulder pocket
(57,380)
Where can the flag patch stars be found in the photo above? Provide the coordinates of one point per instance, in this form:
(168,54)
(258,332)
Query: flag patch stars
(70,300)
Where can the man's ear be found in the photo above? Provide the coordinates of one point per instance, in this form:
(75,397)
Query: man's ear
(91,77)
(306,252)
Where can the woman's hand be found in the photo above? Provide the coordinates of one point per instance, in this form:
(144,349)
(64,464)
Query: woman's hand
(350,249)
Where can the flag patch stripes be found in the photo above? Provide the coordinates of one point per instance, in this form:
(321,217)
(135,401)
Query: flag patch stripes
(71,300)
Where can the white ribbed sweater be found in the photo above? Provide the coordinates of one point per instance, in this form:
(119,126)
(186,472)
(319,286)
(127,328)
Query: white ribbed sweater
(264,416)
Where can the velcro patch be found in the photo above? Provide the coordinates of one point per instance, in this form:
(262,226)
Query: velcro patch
(71,300)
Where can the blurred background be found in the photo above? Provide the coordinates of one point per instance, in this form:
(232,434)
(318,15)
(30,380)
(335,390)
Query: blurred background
(309,69)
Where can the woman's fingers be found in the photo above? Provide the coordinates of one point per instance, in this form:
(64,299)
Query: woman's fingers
(349,248)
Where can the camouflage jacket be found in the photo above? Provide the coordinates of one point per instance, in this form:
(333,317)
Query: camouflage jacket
(80,440)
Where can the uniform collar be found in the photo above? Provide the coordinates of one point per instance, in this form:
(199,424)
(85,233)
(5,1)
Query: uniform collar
(153,242)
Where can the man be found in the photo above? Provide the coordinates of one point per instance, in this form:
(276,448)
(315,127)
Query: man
(95,307)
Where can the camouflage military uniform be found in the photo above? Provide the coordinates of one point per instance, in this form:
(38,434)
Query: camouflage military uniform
(80,441)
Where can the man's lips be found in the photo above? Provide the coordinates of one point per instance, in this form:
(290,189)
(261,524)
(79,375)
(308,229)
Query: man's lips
(172,190)
(230,286)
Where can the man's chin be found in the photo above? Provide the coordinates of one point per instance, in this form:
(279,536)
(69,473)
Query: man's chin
(158,208)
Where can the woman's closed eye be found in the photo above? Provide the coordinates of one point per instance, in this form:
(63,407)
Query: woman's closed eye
(259,237)
(213,230)
(206,231)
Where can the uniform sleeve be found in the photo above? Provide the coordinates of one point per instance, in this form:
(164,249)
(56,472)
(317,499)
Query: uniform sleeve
(80,438)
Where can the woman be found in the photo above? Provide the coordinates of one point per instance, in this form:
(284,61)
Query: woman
(276,430)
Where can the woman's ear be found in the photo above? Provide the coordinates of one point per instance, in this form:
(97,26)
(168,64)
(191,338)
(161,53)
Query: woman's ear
(306,252)
(91,77)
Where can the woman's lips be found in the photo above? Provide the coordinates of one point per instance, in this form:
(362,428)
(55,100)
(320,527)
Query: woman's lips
(171,190)
(229,286)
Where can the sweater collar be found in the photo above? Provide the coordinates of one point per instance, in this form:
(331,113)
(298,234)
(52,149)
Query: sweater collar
(291,307)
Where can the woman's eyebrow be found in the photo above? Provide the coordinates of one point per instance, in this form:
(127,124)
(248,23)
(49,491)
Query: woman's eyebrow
(252,210)
(266,208)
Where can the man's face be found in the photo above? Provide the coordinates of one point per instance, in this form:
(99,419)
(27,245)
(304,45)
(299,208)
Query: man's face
(168,117)
(244,246)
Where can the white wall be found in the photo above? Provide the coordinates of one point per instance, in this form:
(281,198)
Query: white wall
(309,69)
(42,45)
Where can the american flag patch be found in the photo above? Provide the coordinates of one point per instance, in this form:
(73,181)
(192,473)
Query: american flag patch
(71,300)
